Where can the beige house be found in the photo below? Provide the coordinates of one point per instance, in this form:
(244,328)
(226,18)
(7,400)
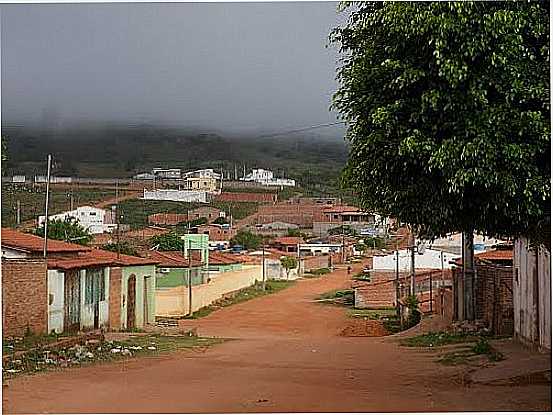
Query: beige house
(204,184)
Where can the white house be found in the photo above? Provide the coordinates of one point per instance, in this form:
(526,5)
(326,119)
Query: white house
(167,173)
(176,195)
(203,174)
(429,259)
(266,178)
(319,249)
(93,219)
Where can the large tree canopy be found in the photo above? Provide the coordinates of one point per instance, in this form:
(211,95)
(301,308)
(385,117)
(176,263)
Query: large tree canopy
(68,230)
(448,112)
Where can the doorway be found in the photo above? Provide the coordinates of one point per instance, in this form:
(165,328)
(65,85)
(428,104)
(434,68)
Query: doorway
(72,301)
(131,302)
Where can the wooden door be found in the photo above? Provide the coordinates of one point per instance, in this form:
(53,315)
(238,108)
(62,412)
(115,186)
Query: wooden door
(72,301)
(131,302)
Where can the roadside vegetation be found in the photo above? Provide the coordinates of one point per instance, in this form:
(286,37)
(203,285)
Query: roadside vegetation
(470,347)
(40,356)
(135,212)
(246,294)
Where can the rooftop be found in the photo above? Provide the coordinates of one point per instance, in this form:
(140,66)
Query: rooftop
(289,240)
(31,243)
(171,259)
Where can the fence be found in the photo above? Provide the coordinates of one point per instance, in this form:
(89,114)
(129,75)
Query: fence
(532,294)
(493,296)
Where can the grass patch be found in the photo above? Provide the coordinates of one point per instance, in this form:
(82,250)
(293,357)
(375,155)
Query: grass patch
(31,200)
(362,276)
(29,341)
(135,212)
(320,271)
(42,359)
(240,296)
(372,314)
(436,339)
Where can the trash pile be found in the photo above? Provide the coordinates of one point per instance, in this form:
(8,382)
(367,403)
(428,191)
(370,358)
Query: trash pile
(92,350)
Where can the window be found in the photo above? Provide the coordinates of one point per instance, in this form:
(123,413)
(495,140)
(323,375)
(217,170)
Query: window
(92,213)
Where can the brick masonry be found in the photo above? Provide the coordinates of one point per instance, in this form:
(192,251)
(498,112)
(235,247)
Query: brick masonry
(115,275)
(24,296)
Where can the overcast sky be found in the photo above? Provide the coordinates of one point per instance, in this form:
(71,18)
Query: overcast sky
(236,67)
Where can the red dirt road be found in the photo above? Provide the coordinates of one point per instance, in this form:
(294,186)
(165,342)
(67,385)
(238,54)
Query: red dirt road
(287,357)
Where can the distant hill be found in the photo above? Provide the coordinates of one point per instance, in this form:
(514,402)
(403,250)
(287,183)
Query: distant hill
(121,151)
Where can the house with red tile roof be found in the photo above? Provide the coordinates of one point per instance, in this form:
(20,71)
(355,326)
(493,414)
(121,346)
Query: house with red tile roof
(84,288)
(287,243)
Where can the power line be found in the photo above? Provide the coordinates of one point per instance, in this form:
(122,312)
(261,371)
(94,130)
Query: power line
(313,127)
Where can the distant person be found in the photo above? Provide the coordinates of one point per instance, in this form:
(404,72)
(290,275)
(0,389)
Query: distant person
(349,269)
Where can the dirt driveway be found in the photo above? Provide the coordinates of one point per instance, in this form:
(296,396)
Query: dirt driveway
(287,356)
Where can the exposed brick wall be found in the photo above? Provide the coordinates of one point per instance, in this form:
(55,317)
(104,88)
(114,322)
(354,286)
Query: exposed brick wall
(246,197)
(167,218)
(315,262)
(115,275)
(24,296)
(380,292)
(494,298)
(443,303)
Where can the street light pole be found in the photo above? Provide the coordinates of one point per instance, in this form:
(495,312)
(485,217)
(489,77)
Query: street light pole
(263,271)
(46,205)
(189,279)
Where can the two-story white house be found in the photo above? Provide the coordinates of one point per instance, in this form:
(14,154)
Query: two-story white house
(93,219)
(267,178)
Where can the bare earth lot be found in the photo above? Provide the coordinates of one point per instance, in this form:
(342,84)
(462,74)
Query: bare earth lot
(287,356)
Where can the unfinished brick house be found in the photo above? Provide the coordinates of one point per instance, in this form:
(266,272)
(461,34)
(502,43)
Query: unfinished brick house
(76,288)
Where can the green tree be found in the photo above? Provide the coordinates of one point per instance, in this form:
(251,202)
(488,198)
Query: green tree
(123,247)
(447,105)
(221,221)
(246,239)
(288,263)
(4,150)
(168,242)
(68,230)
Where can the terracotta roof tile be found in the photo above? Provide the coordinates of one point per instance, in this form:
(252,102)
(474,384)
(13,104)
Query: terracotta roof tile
(289,240)
(171,259)
(32,243)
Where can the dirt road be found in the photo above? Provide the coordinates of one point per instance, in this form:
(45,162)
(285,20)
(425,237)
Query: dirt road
(287,356)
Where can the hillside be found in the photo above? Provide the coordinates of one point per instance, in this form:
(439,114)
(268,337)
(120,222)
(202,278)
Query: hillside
(121,151)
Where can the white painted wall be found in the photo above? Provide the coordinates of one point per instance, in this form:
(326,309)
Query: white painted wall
(431,259)
(91,218)
(176,195)
(9,253)
(55,300)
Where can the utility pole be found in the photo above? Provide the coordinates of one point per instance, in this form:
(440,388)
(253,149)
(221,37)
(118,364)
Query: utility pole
(117,218)
(468,275)
(442,260)
(18,217)
(343,245)
(299,261)
(413,279)
(189,279)
(46,205)
(263,271)
(71,199)
(398,310)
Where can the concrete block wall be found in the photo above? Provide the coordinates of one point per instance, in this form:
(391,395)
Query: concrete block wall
(172,302)
(24,296)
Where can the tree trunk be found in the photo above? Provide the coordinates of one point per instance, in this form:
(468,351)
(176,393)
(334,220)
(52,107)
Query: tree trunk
(469,280)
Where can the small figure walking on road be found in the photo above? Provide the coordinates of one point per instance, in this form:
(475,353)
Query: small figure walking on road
(349,270)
